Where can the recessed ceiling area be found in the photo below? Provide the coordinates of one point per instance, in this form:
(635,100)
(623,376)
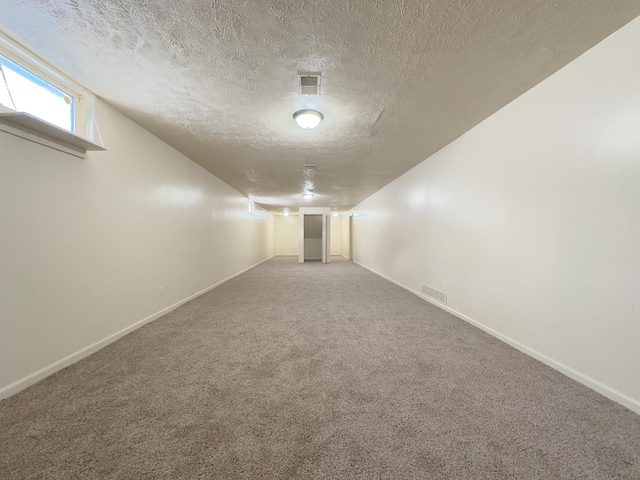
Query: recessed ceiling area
(220,81)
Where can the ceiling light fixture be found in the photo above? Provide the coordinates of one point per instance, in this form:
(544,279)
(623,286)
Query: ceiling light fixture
(308,194)
(308,119)
(286,212)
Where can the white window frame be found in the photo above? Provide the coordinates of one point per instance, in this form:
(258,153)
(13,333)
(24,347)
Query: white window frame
(82,138)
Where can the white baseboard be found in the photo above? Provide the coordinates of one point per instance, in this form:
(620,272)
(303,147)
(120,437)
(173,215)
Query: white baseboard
(616,396)
(21,384)
(295,255)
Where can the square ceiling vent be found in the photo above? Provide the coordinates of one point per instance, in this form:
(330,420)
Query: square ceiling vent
(309,84)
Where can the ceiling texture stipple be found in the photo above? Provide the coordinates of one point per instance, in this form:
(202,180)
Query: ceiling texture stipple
(218,80)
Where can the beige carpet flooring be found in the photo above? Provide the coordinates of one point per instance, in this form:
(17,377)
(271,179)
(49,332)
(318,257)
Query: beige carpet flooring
(313,371)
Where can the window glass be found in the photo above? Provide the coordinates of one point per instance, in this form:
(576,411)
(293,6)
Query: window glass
(24,91)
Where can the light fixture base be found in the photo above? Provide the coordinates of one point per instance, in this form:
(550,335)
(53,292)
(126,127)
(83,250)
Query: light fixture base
(308,118)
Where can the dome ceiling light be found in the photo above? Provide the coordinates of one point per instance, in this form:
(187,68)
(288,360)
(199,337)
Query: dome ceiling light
(308,119)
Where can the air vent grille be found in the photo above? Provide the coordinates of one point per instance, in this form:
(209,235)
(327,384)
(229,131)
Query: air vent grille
(435,294)
(310,84)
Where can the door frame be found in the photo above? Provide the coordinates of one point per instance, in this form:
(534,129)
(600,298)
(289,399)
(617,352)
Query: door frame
(351,228)
(325,212)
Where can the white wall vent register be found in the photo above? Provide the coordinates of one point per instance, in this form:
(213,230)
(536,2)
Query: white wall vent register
(435,294)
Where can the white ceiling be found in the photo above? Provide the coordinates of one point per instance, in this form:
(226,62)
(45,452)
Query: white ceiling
(217,79)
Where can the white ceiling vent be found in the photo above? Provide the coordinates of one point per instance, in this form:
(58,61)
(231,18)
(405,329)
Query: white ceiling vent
(309,84)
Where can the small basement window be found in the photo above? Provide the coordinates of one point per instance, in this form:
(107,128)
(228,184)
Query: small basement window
(41,105)
(23,91)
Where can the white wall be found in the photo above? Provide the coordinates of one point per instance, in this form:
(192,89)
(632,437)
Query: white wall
(346,235)
(286,234)
(87,244)
(335,233)
(532,220)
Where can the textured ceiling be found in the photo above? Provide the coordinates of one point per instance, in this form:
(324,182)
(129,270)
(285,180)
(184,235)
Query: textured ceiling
(217,80)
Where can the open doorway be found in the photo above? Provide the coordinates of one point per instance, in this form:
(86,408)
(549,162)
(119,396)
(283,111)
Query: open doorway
(312,237)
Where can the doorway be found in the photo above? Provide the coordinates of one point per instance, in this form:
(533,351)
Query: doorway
(312,237)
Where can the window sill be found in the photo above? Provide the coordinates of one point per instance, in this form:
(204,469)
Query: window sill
(35,130)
